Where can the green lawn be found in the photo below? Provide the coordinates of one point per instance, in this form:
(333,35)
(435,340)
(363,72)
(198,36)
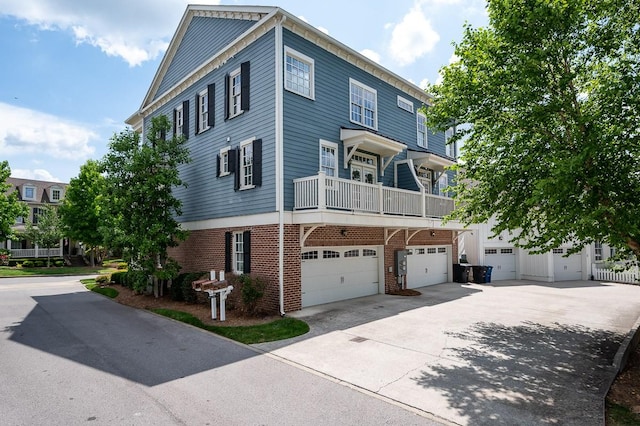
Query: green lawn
(283,328)
(7,272)
(90,284)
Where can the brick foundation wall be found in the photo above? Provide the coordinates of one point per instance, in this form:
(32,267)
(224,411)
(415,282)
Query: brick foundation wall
(204,251)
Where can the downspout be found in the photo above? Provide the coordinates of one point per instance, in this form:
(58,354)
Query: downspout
(280,159)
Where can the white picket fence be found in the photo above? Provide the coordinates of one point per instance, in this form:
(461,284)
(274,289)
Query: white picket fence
(605,273)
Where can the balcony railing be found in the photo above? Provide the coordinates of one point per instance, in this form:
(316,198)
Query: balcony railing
(325,192)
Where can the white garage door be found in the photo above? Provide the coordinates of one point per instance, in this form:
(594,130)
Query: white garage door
(427,265)
(330,274)
(503,261)
(566,268)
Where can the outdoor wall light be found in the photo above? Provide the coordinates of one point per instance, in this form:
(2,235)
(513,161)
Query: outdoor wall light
(343,232)
(433,233)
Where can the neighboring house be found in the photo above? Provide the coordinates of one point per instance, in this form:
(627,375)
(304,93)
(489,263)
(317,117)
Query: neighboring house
(36,194)
(311,164)
(510,262)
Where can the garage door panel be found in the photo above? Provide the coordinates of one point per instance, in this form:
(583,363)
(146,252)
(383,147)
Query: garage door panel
(566,268)
(339,273)
(427,265)
(503,261)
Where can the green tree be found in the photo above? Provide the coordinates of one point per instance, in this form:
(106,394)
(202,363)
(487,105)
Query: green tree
(551,93)
(48,232)
(81,210)
(140,176)
(10,206)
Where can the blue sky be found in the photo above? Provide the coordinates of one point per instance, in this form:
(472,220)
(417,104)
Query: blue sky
(74,70)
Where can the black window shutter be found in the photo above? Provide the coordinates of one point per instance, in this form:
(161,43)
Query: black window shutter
(185,119)
(211,106)
(231,159)
(257,162)
(246,251)
(175,114)
(235,159)
(227,251)
(226,96)
(196,114)
(245,81)
(218,166)
(163,134)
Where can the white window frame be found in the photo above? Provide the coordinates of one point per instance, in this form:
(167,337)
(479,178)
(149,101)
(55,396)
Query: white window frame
(288,82)
(450,149)
(179,121)
(235,94)
(363,122)
(598,251)
(246,170)
(405,104)
(420,116)
(443,183)
(224,161)
(238,252)
(53,198)
(24,192)
(332,146)
(203,110)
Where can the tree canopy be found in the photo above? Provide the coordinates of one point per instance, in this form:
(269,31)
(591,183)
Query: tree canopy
(81,210)
(10,206)
(139,177)
(550,91)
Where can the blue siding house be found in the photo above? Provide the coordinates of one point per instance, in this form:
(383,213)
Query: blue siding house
(311,164)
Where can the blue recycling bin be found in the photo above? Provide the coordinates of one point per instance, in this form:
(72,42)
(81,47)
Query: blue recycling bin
(488,273)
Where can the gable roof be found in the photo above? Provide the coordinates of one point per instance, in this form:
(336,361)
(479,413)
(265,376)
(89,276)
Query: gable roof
(42,188)
(265,18)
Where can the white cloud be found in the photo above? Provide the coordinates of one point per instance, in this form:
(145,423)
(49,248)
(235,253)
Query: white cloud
(36,174)
(134,31)
(452,59)
(374,56)
(423,83)
(26,131)
(323,30)
(412,37)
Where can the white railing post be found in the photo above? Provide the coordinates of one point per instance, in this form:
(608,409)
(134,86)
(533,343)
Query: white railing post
(322,190)
(423,199)
(380,198)
(36,252)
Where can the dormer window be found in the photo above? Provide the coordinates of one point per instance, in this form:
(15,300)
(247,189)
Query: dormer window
(29,192)
(56,195)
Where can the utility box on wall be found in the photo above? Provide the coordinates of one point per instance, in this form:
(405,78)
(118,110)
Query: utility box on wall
(401,262)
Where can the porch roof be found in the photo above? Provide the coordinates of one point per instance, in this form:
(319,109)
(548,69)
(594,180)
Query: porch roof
(429,160)
(354,139)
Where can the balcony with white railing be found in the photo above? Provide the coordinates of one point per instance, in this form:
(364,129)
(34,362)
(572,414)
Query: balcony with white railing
(326,192)
(36,252)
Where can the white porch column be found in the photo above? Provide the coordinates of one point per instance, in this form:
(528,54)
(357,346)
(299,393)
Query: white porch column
(322,191)
(380,198)
(424,202)
(36,250)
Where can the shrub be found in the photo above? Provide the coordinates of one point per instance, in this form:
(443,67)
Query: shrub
(59,263)
(119,277)
(102,280)
(39,263)
(27,264)
(189,295)
(122,265)
(137,280)
(247,293)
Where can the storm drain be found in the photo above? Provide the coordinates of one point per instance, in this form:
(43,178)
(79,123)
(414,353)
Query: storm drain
(358,339)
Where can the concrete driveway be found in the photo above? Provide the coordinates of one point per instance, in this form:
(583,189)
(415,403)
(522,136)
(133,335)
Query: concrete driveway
(510,352)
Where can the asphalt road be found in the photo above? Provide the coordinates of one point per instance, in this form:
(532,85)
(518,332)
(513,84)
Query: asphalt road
(69,356)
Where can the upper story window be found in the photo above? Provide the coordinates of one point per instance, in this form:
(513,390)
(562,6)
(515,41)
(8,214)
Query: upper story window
(237,91)
(246,165)
(203,110)
(422,130)
(298,73)
(329,158)
(405,104)
(178,122)
(364,104)
(36,213)
(223,161)
(29,193)
(450,148)
(56,195)
(443,183)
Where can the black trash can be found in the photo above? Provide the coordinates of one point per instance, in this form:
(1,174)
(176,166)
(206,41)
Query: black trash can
(479,274)
(461,272)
